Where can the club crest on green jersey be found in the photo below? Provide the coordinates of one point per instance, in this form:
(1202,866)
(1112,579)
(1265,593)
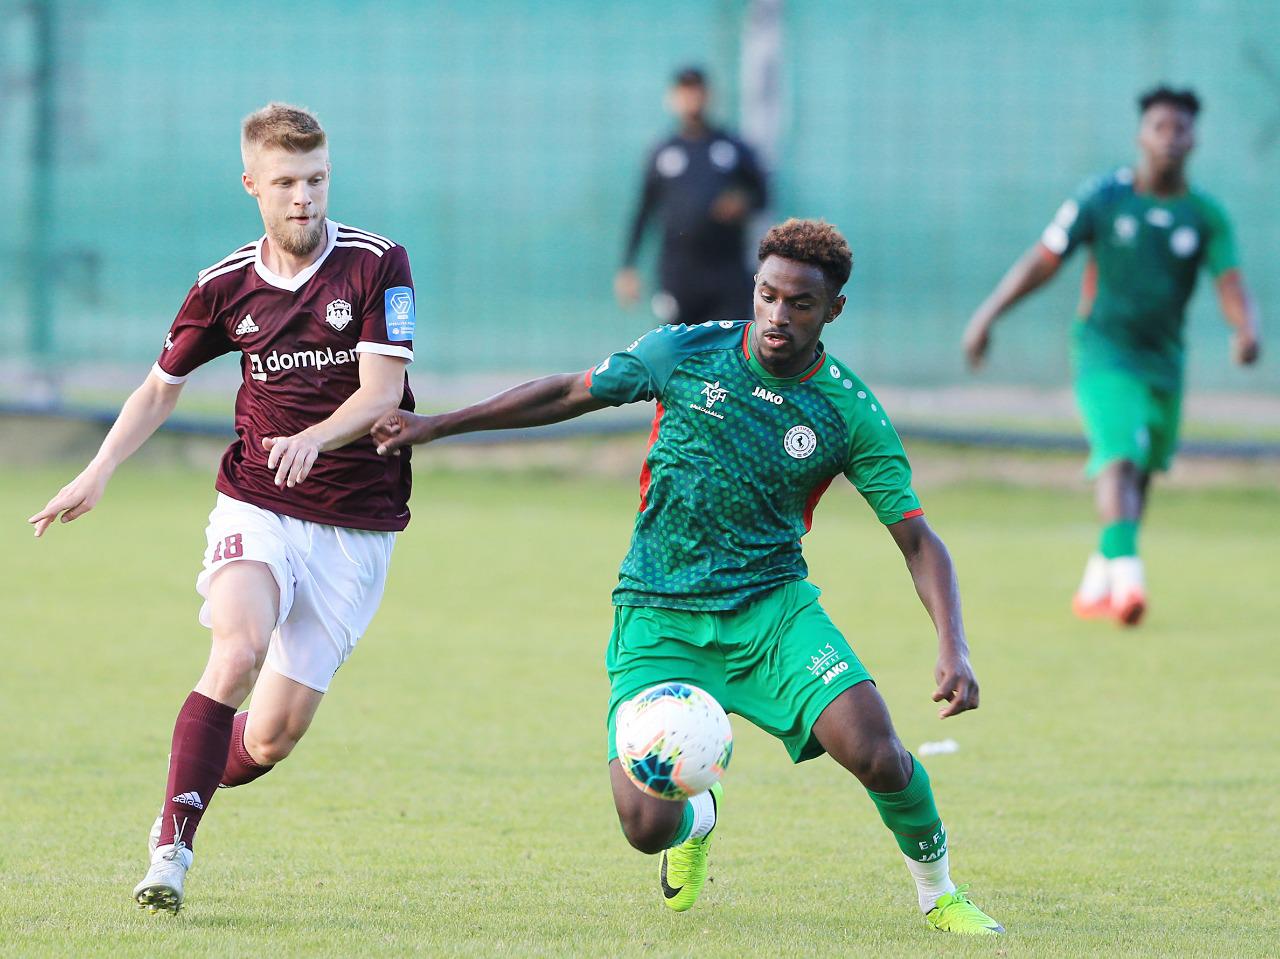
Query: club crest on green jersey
(800,442)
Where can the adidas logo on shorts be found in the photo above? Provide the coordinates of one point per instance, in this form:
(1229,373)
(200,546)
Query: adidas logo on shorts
(246,325)
(189,799)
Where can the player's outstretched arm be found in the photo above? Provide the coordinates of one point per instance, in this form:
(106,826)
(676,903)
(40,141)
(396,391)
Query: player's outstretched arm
(381,385)
(551,399)
(142,413)
(1242,314)
(935,578)
(1031,271)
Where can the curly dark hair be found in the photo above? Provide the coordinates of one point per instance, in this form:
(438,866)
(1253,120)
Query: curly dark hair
(1182,99)
(815,242)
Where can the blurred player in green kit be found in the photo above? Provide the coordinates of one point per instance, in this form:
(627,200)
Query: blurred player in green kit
(1149,232)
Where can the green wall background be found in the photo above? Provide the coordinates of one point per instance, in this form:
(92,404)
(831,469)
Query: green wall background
(502,142)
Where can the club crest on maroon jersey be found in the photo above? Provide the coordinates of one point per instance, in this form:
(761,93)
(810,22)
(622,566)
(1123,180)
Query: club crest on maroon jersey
(338,314)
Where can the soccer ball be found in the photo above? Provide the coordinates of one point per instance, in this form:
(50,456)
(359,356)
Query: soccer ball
(674,740)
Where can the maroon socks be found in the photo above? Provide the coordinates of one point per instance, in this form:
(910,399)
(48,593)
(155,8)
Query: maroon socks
(201,739)
(240,768)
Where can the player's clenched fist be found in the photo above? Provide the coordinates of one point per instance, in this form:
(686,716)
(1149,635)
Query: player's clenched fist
(400,428)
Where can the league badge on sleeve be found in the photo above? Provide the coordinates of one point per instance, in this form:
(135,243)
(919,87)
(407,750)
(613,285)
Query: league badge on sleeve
(398,302)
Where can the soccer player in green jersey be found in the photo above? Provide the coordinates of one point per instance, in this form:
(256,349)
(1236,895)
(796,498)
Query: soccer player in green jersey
(753,422)
(1149,232)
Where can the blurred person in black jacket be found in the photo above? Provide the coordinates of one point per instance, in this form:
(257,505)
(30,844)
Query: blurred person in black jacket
(704,184)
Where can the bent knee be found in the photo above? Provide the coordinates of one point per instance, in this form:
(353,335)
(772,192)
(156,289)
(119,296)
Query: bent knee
(647,833)
(886,767)
(235,661)
(271,750)
(647,840)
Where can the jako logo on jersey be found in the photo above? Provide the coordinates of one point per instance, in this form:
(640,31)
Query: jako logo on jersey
(714,393)
(398,309)
(800,442)
(277,362)
(768,395)
(338,314)
(246,325)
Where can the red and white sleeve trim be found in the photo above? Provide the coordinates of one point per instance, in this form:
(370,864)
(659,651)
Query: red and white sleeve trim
(166,377)
(385,349)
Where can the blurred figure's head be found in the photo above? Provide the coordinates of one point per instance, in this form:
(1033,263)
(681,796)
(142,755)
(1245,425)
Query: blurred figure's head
(1167,131)
(286,169)
(688,96)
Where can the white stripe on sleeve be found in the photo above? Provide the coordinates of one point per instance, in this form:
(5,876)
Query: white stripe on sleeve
(386,349)
(166,377)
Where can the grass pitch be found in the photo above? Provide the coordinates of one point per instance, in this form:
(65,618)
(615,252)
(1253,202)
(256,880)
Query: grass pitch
(1115,795)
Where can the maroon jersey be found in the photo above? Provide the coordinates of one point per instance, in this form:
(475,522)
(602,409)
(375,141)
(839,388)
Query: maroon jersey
(299,340)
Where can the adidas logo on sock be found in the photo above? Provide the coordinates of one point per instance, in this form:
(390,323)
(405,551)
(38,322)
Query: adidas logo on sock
(189,799)
(247,325)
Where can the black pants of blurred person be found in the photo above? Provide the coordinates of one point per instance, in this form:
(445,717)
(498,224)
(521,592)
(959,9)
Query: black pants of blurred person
(695,296)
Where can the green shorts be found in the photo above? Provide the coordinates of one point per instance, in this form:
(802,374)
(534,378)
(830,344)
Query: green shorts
(1126,418)
(777,662)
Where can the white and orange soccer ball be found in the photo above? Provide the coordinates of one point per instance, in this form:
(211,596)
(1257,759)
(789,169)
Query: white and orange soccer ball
(674,740)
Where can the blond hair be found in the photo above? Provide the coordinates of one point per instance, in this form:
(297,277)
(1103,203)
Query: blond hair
(280,125)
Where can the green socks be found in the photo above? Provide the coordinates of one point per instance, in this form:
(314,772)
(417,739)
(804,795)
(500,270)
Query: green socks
(686,826)
(1119,539)
(913,818)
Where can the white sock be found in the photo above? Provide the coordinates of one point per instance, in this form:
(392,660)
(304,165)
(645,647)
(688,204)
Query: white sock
(1127,574)
(704,814)
(1096,584)
(933,879)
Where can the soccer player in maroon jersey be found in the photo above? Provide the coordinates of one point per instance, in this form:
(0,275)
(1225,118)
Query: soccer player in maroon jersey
(322,315)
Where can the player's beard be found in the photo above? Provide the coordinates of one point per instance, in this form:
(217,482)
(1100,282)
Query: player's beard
(302,243)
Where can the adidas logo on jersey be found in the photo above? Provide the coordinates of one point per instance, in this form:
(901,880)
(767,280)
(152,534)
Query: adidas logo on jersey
(246,325)
(189,799)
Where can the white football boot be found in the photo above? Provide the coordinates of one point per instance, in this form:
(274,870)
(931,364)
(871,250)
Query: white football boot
(1093,599)
(161,887)
(1128,590)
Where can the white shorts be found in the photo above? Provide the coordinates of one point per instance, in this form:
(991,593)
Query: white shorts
(330,578)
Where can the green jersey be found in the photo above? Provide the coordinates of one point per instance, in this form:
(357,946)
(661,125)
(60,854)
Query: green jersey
(1146,253)
(737,462)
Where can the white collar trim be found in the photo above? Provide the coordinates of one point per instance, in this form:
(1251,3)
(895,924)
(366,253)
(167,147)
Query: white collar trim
(294,283)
